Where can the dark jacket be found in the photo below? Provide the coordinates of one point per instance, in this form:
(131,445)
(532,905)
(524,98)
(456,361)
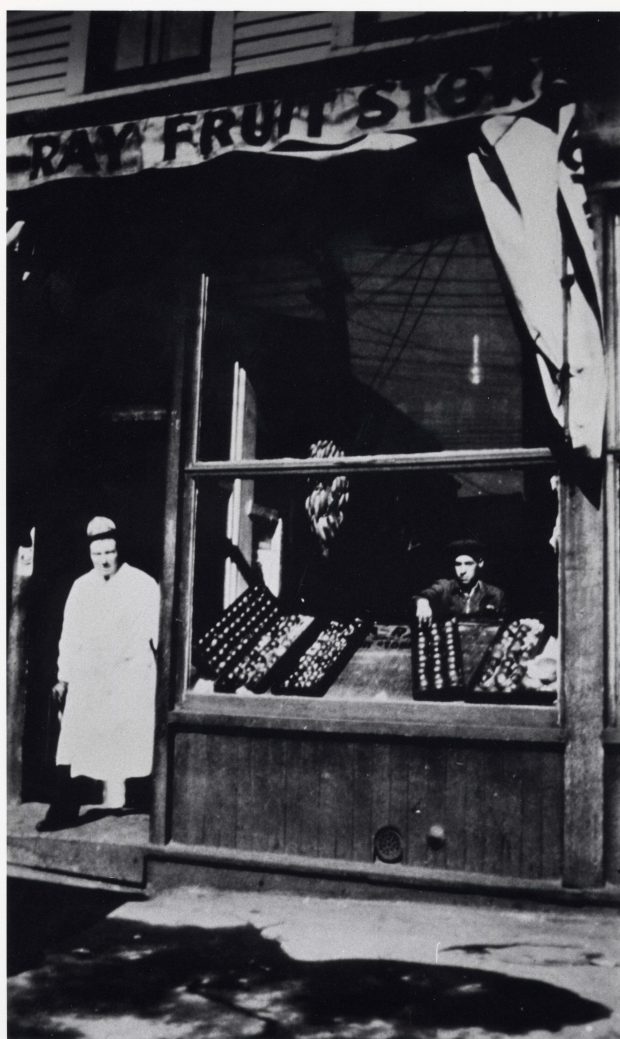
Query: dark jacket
(486,602)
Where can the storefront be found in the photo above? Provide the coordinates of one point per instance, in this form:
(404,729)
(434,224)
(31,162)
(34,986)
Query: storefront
(349,351)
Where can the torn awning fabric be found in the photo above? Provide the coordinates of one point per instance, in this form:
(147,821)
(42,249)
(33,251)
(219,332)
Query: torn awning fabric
(527,177)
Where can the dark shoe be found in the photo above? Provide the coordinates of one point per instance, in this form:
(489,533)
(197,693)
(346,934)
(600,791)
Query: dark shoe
(58,819)
(93,815)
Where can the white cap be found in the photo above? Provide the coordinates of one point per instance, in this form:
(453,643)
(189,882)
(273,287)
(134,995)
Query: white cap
(99,526)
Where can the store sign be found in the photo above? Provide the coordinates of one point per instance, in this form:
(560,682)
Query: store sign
(377,117)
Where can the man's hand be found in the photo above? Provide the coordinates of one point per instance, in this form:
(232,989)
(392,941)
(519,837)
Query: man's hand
(59,694)
(423,611)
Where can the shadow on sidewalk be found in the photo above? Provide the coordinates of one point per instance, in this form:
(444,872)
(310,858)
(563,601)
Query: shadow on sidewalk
(188,981)
(40,915)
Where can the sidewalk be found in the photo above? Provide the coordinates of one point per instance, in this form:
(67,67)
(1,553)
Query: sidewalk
(203,964)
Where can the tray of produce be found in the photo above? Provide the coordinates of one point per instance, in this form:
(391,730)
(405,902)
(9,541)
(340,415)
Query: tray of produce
(506,669)
(437,662)
(235,634)
(277,649)
(325,657)
(476,638)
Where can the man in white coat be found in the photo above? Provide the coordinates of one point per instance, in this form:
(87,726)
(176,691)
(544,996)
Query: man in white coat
(106,676)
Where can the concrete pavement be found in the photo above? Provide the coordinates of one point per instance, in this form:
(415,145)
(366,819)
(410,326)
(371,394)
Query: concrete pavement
(198,963)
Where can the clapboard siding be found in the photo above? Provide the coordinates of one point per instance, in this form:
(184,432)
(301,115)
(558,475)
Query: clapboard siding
(37,54)
(23,25)
(253,27)
(38,45)
(23,61)
(45,89)
(49,70)
(326,798)
(264,39)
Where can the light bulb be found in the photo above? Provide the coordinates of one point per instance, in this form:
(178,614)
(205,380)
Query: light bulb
(476,371)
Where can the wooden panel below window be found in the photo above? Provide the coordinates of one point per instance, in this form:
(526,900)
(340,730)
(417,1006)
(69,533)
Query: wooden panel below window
(500,806)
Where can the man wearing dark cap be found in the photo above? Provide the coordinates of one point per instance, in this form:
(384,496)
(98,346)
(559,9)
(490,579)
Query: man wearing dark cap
(465,595)
(106,677)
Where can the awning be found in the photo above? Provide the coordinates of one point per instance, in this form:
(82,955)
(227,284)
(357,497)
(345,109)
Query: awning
(378,117)
(529,179)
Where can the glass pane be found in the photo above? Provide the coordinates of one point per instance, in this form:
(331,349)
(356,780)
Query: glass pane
(183,32)
(379,348)
(312,586)
(131,40)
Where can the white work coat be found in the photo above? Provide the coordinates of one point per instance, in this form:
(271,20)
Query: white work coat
(106,657)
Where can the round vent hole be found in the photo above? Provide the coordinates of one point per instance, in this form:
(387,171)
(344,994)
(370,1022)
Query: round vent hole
(388,844)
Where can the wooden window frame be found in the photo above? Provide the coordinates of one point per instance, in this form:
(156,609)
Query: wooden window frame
(100,72)
(192,472)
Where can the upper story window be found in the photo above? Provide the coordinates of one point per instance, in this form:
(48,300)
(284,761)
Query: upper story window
(139,46)
(375,26)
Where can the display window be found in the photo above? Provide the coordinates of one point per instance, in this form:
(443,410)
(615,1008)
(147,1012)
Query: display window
(285,604)
(365,414)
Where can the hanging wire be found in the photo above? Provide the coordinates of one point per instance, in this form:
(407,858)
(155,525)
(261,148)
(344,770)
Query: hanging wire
(372,271)
(422,309)
(379,374)
(405,310)
(454,301)
(376,293)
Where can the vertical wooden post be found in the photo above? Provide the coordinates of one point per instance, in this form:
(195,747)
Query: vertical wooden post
(78,47)
(222,43)
(343,29)
(583,670)
(188,326)
(607,228)
(17,669)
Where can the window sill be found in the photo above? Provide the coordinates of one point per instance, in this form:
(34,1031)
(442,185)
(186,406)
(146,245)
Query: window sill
(404,719)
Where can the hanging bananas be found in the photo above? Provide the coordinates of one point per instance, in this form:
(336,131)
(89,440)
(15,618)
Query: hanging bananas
(325,503)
